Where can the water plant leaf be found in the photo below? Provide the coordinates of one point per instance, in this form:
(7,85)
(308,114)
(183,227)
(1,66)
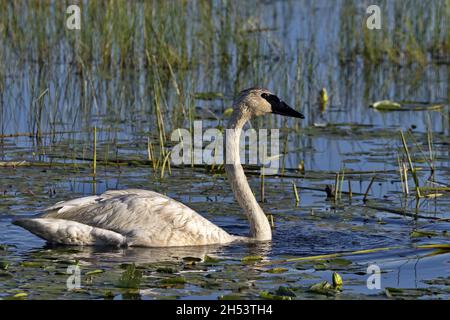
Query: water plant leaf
(285,291)
(277,270)
(67,262)
(108,294)
(269,296)
(433,195)
(442,246)
(4,274)
(251,259)
(130,278)
(415,106)
(227,113)
(421,234)
(441,281)
(209,259)
(31,264)
(407,292)
(333,264)
(208,95)
(174,281)
(339,262)
(323,287)
(165,270)
(321,266)
(386,105)
(337,280)
(230,297)
(4,265)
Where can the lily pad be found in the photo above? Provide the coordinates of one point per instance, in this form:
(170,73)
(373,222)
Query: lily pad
(231,297)
(108,295)
(20,295)
(4,265)
(386,105)
(31,264)
(323,287)
(407,292)
(338,263)
(165,270)
(439,281)
(130,278)
(421,234)
(4,274)
(209,259)
(251,259)
(277,270)
(285,291)
(175,281)
(269,296)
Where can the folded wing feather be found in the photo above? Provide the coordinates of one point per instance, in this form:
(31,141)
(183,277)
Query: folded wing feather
(144,218)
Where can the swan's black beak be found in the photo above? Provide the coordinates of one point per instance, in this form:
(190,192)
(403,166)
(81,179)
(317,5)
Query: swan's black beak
(284,110)
(280,107)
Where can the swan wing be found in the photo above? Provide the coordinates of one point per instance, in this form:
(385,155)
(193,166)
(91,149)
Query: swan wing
(145,218)
(71,232)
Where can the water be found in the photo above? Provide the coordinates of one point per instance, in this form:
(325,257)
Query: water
(293,47)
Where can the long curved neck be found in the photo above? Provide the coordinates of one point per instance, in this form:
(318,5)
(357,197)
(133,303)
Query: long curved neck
(259,225)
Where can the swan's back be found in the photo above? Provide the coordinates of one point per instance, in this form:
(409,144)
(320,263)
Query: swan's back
(143,218)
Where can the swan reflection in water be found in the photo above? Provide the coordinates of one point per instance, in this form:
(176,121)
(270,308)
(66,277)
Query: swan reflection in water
(143,255)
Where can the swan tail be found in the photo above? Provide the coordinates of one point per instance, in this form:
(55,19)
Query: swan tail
(69,232)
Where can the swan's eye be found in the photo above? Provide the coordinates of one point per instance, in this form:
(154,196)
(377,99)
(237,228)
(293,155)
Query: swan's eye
(271,98)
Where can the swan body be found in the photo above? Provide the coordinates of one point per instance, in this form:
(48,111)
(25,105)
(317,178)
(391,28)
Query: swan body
(144,218)
(130,217)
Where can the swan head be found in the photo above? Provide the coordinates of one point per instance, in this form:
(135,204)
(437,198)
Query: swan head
(259,101)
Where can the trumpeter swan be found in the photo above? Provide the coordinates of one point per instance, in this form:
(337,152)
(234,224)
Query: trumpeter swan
(136,217)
